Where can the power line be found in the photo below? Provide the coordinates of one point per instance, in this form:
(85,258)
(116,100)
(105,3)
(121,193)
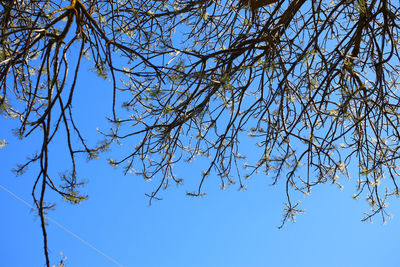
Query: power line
(63,227)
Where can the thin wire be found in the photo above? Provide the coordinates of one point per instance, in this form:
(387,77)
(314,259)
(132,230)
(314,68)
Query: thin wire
(63,227)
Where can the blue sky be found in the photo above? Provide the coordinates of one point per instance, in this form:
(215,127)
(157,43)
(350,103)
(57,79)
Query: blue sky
(224,228)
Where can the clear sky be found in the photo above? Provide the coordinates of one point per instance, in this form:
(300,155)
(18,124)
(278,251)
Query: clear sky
(224,228)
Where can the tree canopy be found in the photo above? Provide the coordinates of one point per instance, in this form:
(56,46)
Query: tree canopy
(311,84)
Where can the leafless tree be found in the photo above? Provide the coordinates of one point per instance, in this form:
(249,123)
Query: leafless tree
(313,84)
